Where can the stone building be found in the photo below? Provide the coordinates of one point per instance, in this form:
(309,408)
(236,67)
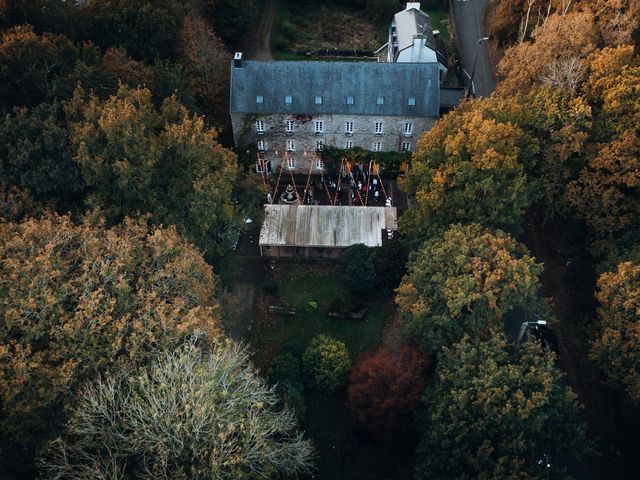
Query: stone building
(300,107)
(290,110)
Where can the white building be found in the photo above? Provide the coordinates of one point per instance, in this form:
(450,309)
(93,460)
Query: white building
(412,39)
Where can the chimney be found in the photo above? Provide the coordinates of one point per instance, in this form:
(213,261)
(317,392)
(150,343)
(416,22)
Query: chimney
(237,60)
(411,5)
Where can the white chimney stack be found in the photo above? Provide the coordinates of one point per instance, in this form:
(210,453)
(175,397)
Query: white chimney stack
(237,60)
(411,5)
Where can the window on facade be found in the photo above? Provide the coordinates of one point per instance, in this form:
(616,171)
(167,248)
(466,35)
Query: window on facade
(380,101)
(319,146)
(348,144)
(318,126)
(262,145)
(350,100)
(260,126)
(348,127)
(291,163)
(290,146)
(288,125)
(377,146)
(319,164)
(259,99)
(408,128)
(288,99)
(406,146)
(412,101)
(378,128)
(263,166)
(318,100)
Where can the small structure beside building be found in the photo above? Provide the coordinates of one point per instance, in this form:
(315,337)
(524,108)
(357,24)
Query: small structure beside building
(412,39)
(322,231)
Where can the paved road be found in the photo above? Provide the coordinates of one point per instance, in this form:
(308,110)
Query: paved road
(468,16)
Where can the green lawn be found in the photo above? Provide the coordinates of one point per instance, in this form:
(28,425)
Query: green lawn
(298,284)
(327,421)
(439,21)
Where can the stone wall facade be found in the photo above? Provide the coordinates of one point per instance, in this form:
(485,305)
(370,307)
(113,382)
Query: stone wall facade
(301,138)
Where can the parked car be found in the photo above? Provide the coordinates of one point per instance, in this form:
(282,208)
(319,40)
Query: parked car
(540,331)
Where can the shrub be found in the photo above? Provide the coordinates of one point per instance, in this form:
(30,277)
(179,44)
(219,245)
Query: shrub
(340,303)
(326,363)
(286,367)
(286,374)
(359,270)
(390,263)
(384,388)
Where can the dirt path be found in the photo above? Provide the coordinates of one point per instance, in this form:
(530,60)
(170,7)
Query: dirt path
(393,335)
(260,46)
(242,298)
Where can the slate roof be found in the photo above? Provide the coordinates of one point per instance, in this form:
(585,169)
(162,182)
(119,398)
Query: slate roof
(335,81)
(450,97)
(325,225)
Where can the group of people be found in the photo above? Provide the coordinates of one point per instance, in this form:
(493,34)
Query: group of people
(363,186)
(366,187)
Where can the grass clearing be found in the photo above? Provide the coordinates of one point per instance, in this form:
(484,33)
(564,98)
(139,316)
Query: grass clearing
(298,28)
(298,284)
(440,21)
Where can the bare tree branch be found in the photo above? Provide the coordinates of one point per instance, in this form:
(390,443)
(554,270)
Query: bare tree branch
(191,414)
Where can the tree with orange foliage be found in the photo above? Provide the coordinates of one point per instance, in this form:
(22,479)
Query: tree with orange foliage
(561,41)
(613,88)
(206,60)
(77,301)
(384,389)
(616,20)
(615,348)
(606,193)
(471,168)
(136,157)
(464,282)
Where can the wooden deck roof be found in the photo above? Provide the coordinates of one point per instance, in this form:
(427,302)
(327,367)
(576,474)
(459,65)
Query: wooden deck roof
(325,226)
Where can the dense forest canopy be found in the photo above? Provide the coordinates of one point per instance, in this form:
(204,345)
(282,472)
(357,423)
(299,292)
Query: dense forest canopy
(121,204)
(554,149)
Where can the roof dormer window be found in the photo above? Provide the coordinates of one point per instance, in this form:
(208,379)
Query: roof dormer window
(318,100)
(380,100)
(259,99)
(411,101)
(288,99)
(350,100)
